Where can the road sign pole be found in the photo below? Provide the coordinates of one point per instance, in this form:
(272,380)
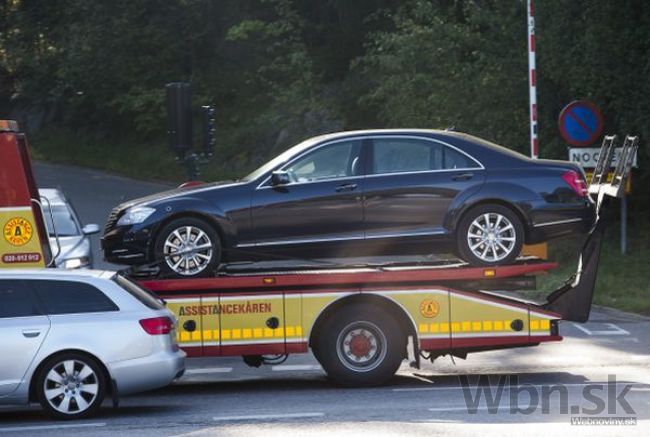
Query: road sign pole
(532,80)
(624,225)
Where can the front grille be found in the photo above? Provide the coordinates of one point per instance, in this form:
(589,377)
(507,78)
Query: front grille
(112,219)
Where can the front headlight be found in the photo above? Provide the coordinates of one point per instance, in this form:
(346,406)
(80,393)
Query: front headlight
(76,263)
(136,215)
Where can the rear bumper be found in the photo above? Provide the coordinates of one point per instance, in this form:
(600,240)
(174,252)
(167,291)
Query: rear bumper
(147,373)
(549,223)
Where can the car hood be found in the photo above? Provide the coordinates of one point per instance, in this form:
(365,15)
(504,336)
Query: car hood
(177,192)
(70,247)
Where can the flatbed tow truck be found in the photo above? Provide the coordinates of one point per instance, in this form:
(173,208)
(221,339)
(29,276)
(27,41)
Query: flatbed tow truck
(359,322)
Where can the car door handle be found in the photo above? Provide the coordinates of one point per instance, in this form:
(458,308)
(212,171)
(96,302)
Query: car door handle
(31,333)
(346,187)
(462,177)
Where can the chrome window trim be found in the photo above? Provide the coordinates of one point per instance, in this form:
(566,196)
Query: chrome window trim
(557,222)
(342,178)
(376,136)
(423,171)
(324,240)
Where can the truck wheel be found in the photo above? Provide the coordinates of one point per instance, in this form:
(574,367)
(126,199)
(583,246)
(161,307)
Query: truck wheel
(360,346)
(489,235)
(71,386)
(187,248)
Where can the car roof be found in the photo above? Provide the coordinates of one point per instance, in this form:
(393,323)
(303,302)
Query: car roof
(51,273)
(366,132)
(53,195)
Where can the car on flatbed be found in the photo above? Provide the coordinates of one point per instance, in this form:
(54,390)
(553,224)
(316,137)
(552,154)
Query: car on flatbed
(374,192)
(69,338)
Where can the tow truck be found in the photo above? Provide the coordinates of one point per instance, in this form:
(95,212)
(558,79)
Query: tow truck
(360,322)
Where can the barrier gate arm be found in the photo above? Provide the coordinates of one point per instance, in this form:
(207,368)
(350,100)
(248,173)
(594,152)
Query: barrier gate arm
(573,300)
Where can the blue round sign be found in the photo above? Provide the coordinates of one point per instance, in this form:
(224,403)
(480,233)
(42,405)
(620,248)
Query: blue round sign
(581,123)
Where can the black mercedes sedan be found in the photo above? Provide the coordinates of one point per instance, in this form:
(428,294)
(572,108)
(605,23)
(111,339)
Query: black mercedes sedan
(374,192)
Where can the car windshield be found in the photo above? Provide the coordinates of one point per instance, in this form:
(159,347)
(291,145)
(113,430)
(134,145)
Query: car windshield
(62,221)
(280,159)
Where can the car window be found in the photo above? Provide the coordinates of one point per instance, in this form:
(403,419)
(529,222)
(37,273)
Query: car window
(398,155)
(16,300)
(450,159)
(144,296)
(70,297)
(60,220)
(331,161)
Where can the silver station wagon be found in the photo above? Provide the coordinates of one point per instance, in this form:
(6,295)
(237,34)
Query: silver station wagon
(70,338)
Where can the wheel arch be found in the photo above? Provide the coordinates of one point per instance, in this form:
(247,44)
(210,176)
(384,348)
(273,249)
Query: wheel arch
(384,302)
(32,381)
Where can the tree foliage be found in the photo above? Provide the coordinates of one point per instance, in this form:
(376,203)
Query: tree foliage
(281,70)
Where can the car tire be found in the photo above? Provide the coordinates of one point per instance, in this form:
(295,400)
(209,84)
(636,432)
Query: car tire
(71,386)
(360,346)
(186,234)
(489,235)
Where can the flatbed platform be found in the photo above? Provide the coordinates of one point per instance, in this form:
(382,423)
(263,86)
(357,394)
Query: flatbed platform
(438,274)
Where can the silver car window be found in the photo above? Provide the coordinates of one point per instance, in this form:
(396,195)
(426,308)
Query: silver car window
(64,222)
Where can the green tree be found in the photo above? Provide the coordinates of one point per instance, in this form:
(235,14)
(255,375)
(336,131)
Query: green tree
(445,64)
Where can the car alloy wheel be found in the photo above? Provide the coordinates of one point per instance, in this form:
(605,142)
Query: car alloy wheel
(361,346)
(71,387)
(491,237)
(188,250)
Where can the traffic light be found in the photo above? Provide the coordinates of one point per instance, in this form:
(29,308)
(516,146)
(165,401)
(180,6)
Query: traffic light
(179,116)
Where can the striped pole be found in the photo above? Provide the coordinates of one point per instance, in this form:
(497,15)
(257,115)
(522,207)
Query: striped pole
(532,78)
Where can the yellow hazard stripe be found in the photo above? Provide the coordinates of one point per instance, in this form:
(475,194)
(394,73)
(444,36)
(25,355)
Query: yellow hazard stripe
(478,326)
(237,334)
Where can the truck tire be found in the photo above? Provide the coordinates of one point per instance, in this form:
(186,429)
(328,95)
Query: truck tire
(489,235)
(71,386)
(188,233)
(360,346)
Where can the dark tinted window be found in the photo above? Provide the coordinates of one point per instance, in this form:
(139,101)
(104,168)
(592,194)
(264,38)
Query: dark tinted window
(16,300)
(69,297)
(139,293)
(397,155)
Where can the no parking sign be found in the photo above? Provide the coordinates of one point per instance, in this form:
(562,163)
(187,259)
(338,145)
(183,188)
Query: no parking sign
(581,123)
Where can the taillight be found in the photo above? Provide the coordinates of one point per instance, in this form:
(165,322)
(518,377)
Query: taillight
(157,325)
(576,182)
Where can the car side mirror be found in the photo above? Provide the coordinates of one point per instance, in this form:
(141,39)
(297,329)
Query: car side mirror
(90,229)
(280,178)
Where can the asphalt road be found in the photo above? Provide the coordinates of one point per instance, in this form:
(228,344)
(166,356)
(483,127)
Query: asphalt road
(224,397)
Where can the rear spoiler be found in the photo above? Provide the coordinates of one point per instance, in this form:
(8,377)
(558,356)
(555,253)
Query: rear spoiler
(573,300)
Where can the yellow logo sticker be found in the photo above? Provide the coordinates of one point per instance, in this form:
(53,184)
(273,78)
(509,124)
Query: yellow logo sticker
(429,308)
(18,231)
